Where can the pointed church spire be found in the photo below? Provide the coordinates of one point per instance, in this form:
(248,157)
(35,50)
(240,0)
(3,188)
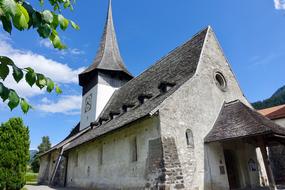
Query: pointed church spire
(108,55)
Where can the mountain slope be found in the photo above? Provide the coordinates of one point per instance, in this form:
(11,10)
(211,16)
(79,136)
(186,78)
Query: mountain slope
(276,99)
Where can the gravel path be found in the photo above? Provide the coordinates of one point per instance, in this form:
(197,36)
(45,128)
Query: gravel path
(43,187)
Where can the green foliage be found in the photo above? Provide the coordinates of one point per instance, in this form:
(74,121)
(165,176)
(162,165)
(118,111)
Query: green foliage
(35,164)
(31,178)
(14,151)
(22,16)
(278,98)
(31,78)
(43,147)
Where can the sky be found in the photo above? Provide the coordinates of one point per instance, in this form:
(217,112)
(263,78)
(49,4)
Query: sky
(251,33)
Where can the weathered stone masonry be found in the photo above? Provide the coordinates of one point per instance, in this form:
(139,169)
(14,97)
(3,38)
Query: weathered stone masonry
(164,168)
(172,165)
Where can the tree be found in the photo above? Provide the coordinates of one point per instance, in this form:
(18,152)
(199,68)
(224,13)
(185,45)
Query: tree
(21,15)
(43,147)
(14,151)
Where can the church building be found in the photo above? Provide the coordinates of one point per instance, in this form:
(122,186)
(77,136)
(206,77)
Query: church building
(184,123)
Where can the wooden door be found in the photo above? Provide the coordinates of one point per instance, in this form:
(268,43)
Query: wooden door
(232,169)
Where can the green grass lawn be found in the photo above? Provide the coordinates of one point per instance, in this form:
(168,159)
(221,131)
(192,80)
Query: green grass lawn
(31,178)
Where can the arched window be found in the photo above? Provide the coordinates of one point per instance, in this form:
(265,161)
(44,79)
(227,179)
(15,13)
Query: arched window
(189,138)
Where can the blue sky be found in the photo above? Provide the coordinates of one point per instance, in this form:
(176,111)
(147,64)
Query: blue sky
(251,33)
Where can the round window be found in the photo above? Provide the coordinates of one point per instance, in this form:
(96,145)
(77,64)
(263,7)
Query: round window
(220,81)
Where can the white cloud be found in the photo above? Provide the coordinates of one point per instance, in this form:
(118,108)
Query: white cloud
(76,51)
(73,51)
(59,72)
(279,4)
(68,105)
(45,43)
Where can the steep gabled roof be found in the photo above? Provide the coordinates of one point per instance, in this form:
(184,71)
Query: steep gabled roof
(108,55)
(174,69)
(236,120)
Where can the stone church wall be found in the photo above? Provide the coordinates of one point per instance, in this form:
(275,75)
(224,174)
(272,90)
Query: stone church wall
(280,122)
(43,176)
(277,157)
(47,166)
(195,107)
(108,162)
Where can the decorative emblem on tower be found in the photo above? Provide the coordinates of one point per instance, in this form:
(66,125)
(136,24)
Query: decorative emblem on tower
(104,76)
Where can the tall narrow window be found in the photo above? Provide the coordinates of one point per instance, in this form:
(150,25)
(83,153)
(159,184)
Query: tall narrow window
(100,155)
(189,138)
(134,149)
(76,159)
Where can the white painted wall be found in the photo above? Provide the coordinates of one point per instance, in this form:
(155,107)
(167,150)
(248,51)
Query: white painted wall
(117,170)
(101,93)
(280,122)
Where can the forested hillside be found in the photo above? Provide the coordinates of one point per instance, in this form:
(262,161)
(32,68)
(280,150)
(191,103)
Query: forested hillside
(276,99)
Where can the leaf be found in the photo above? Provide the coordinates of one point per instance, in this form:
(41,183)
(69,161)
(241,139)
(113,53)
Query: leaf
(25,13)
(36,19)
(50,85)
(22,18)
(31,77)
(6,24)
(56,40)
(58,90)
(4,70)
(14,99)
(17,73)
(30,12)
(41,80)
(25,106)
(74,25)
(4,92)
(6,60)
(66,4)
(44,30)
(9,7)
(54,23)
(63,22)
(20,22)
(47,16)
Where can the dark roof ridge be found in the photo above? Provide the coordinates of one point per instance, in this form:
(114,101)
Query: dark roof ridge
(231,102)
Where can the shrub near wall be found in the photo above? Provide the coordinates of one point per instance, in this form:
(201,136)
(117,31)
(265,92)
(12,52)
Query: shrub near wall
(14,154)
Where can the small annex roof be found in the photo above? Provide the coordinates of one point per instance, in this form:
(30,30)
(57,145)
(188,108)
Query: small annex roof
(276,112)
(172,70)
(236,120)
(108,56)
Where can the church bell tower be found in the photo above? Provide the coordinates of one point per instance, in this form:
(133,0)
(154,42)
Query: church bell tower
(106,74)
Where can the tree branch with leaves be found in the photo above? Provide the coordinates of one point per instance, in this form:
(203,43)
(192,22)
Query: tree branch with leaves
(20,15)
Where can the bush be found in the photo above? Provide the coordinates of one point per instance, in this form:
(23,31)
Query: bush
(14,151)
(43,147)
